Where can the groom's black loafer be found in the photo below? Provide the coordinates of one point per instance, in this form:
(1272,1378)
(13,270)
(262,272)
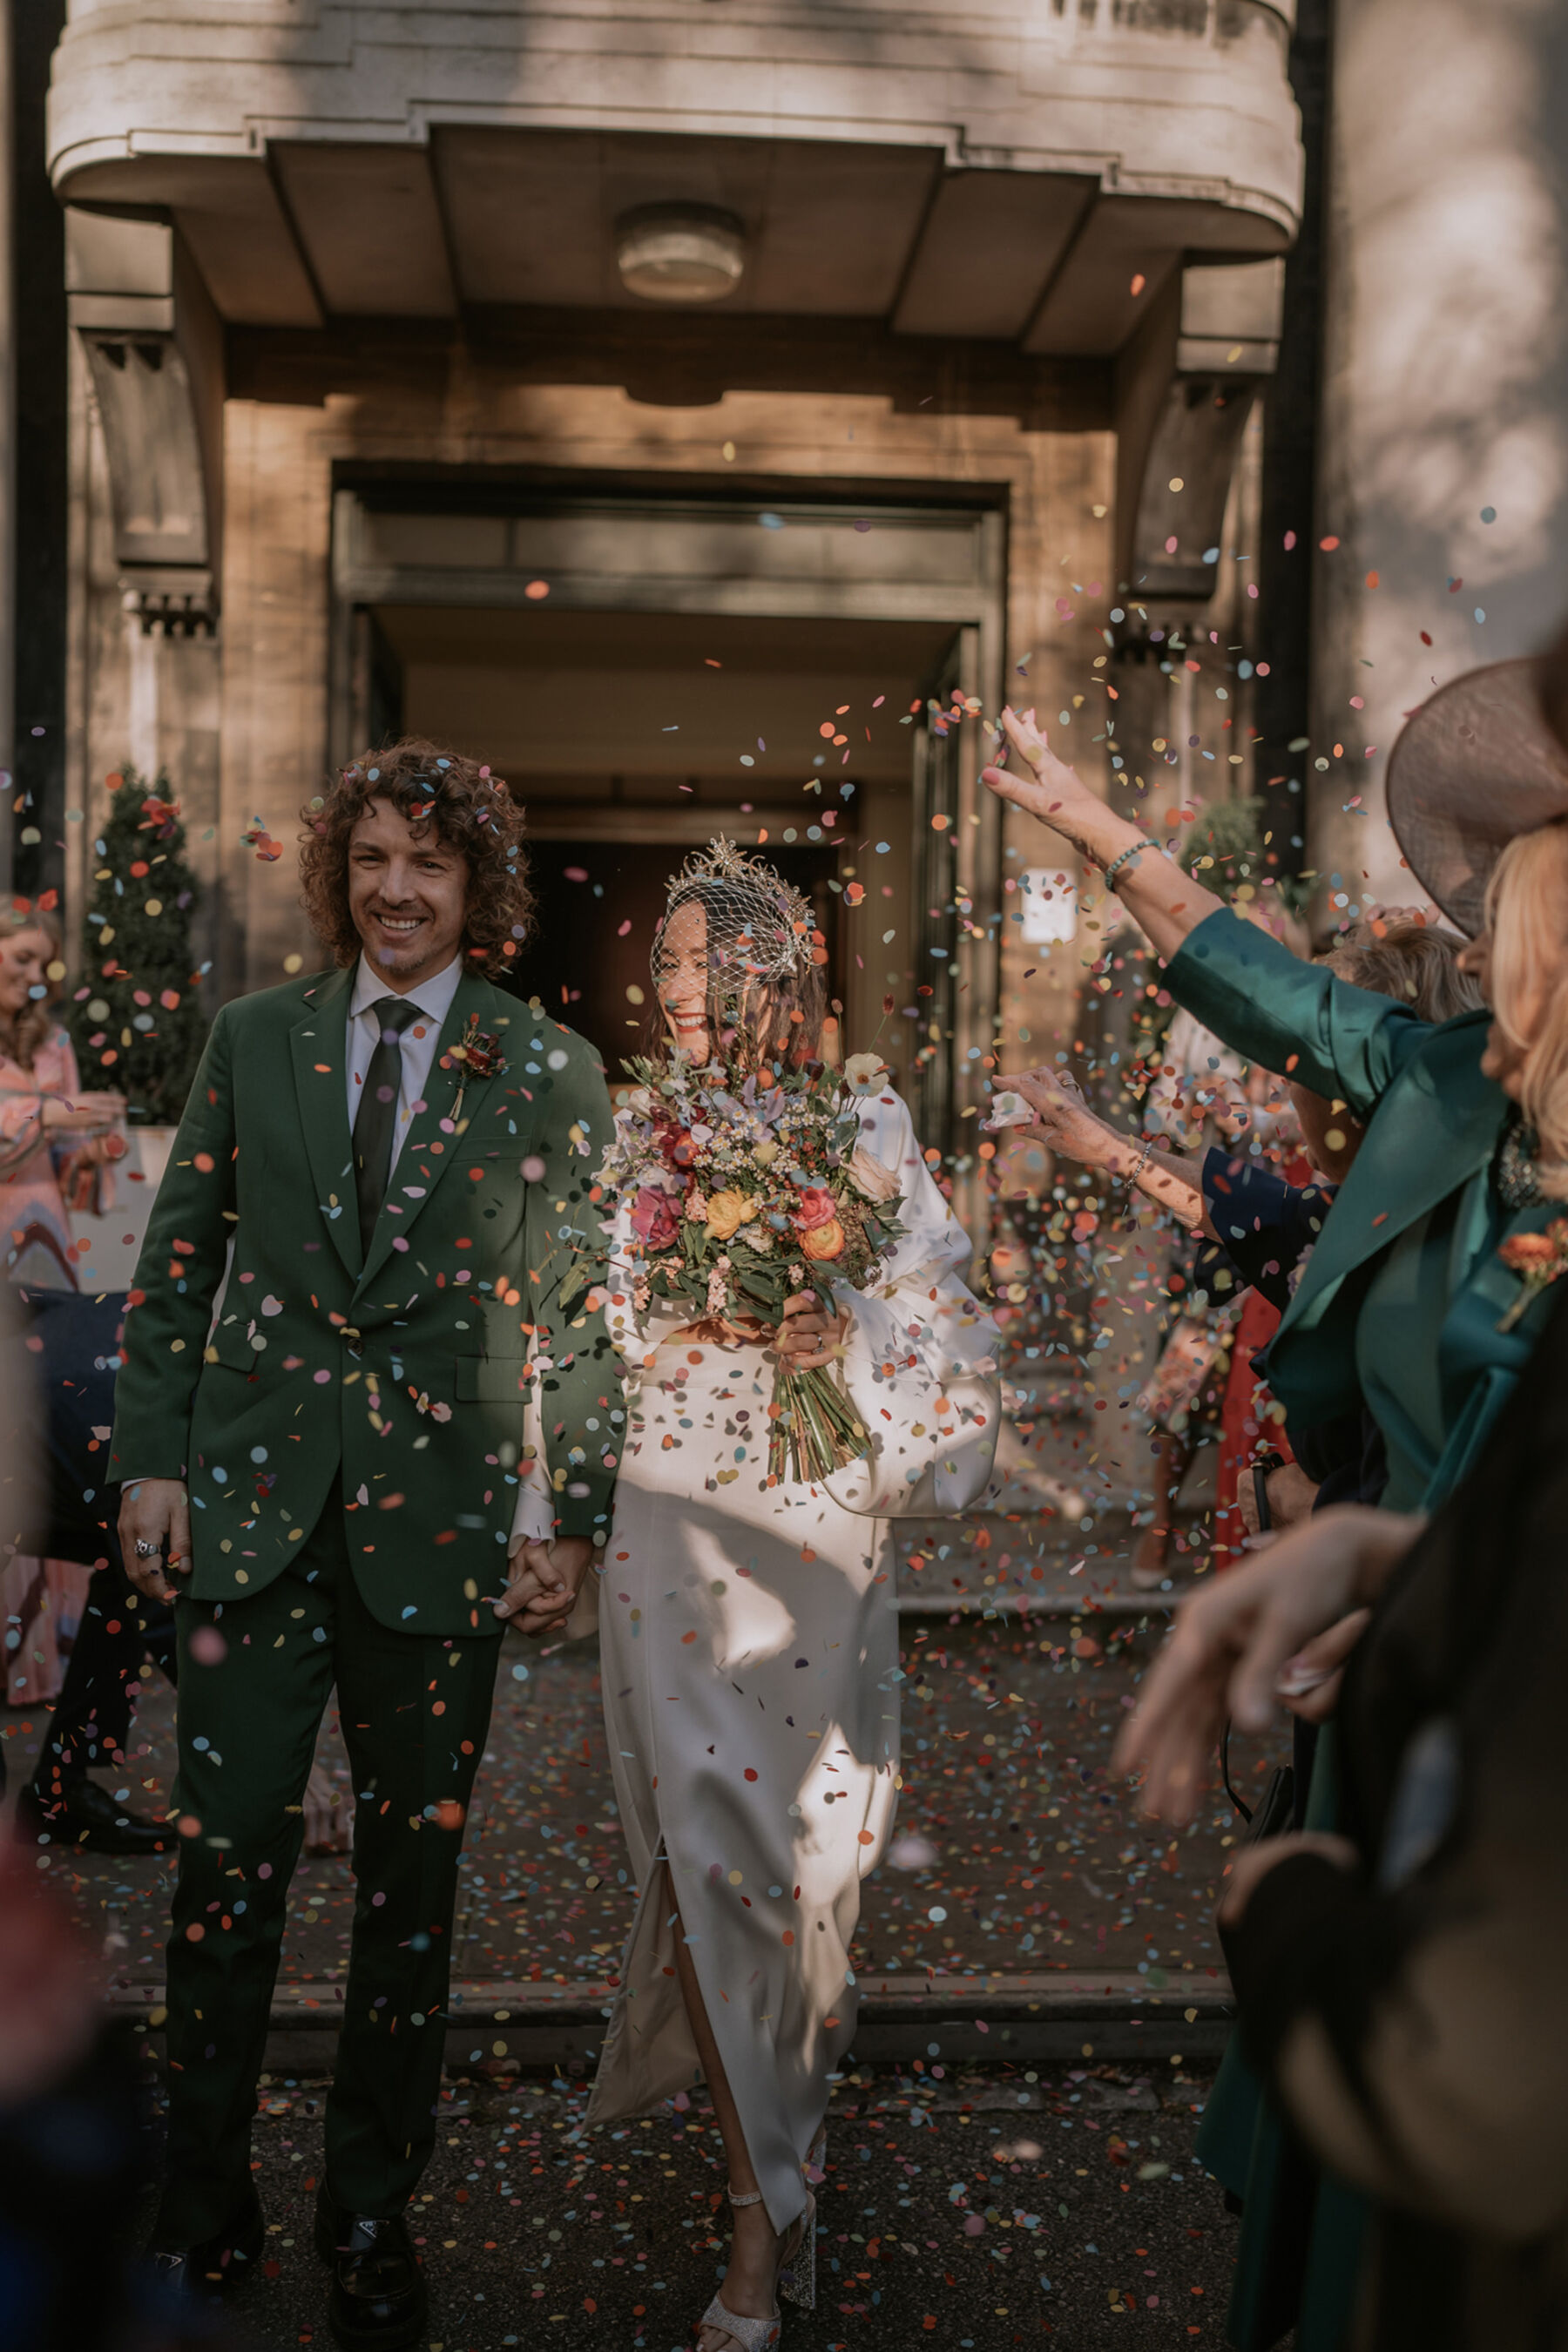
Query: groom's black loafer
(378,2301)
(220,2265)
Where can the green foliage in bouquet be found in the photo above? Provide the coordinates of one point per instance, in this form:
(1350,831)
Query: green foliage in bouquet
(137,1024)
(749,1184)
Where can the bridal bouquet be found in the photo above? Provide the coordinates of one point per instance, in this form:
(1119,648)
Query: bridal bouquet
(747,1186)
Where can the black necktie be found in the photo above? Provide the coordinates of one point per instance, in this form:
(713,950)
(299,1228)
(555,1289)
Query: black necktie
(375,1120)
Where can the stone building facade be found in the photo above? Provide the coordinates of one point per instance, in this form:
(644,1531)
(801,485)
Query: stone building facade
(676,402)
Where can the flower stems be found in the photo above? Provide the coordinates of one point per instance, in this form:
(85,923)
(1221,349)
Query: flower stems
(814,1429)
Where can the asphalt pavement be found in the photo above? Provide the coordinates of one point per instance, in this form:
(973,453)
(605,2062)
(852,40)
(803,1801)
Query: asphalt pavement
(972,2211)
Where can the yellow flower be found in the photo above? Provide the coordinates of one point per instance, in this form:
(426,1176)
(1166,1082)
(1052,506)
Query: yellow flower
(727,1212)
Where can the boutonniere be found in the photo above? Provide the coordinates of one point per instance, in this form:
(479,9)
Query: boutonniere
(1538,1259)
(478,1054)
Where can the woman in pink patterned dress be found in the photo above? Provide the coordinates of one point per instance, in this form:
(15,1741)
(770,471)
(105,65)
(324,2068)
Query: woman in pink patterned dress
(52,1139)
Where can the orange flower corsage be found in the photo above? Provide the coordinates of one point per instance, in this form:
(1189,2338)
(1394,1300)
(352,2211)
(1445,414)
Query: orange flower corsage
(1538,1259)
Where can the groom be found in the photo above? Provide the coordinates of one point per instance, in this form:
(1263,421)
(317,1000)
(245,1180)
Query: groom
(328,1481)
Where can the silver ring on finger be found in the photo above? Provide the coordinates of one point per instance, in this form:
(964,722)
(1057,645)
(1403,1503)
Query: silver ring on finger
(146,1550)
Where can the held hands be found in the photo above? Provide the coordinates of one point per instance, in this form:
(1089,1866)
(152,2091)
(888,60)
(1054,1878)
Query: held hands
(808,1335)
(155,1513)
(543,1580)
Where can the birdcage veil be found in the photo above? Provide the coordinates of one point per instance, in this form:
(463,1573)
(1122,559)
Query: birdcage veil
(765,954)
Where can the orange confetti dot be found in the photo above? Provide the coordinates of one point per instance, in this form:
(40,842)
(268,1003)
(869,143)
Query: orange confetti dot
(1372,580)
(448,1814)
(204,1161)
(826,729)
(866,1838)
(940,822)
(1138,282)
(1328,545)
(750,1772)
(536,591)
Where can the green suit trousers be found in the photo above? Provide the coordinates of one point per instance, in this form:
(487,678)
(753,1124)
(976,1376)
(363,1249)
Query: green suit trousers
(255,1676)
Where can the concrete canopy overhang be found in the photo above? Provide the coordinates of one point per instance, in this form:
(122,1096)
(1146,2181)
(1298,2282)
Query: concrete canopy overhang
(1030,173)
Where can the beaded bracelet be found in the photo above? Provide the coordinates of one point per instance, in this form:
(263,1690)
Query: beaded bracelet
(1135,849)
(1139,1165)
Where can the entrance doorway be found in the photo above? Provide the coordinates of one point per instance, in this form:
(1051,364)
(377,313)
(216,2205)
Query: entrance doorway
(598,904)
(648,673)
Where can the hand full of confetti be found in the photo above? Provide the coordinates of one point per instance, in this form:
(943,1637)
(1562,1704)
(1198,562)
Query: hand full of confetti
(748,1184)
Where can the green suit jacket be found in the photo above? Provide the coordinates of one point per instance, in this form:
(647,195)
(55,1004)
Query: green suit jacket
(401,1370)
(1433,1122)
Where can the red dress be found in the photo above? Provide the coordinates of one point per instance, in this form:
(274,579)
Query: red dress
(1250,1421)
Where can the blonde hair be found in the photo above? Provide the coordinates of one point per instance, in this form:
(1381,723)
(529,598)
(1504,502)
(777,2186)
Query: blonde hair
(1527,914)
(23,1033)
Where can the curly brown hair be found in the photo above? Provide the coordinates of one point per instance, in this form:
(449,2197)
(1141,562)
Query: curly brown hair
(471,811)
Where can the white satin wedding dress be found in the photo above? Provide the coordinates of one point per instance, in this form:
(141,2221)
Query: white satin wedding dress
(749,1643)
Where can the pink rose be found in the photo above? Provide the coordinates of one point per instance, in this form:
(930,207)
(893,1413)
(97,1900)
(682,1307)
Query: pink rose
(816,1206)
(653,1217)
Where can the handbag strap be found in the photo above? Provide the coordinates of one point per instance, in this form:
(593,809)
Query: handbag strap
(1244,1808)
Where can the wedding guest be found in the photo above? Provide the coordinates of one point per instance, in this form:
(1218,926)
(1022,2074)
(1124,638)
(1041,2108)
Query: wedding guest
(51,1132)
(1264,1224)
(1397,1983)
(1202,1094)
(747,1624)
(1466,1122)
(71,1342)
(54,1141)
(1419,1298)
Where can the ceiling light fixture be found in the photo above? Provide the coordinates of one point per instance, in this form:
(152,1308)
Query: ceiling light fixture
(680,253)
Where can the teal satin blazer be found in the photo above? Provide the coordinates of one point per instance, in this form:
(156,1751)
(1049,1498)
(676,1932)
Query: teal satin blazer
(1398,1304)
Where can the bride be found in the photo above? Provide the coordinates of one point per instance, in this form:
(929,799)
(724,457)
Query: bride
(749,1631)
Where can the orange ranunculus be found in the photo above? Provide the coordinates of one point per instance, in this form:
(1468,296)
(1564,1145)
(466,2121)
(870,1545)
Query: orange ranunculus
(1526,1250)
(822,1244)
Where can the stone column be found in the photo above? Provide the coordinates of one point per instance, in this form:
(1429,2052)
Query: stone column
(1442,525)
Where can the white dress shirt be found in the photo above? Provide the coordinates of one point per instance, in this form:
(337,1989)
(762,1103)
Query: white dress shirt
(433,997)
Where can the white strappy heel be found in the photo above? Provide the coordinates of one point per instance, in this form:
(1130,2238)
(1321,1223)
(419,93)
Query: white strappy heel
(796,2278)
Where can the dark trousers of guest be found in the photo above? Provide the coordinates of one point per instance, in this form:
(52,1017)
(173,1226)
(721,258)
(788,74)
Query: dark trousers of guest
(118,1631)
(69,1353)
(415,1711)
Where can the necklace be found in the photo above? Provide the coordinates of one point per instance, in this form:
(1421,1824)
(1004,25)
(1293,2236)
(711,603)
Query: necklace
(1518,1170)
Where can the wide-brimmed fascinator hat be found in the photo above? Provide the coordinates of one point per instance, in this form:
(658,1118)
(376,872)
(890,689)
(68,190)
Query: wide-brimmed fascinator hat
(1476,766)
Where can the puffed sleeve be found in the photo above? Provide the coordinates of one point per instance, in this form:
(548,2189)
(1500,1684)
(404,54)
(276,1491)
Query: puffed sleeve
(920,1359)
(1292,1016)
(22,1108)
